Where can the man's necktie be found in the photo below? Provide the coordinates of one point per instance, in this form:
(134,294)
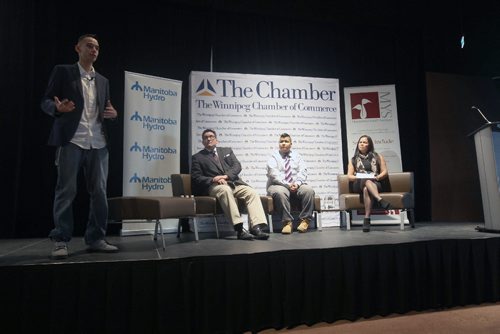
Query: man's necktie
(288,170)
(215,157)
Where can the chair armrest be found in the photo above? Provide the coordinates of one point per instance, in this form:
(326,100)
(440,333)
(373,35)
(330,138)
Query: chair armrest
(343,184)
(401,182)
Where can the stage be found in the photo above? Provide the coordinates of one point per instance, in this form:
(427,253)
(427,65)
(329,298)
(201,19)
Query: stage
(230,286)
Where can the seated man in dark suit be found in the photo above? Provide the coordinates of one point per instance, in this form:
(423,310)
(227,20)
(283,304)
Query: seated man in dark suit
(214,172)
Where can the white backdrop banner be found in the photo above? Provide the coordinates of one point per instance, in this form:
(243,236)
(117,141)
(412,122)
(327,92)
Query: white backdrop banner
(249,112)
(372,111)
(151,140)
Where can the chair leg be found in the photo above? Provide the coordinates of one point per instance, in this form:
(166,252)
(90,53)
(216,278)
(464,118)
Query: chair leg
(216,227)
(349,221)
(317,219)
(402,220)
(179,228)
(270,222)
(158,224)
(343,223)
(195,226)
(155,235)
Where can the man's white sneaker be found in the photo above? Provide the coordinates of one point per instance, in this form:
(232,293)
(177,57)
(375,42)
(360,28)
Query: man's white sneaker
(102,246)
(60,250)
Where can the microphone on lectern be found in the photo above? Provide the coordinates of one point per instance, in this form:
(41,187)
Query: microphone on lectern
(474,107)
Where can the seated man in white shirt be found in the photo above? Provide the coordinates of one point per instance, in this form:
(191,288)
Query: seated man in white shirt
(286,181)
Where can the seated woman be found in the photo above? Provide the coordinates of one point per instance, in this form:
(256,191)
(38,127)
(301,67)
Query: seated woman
(366,169)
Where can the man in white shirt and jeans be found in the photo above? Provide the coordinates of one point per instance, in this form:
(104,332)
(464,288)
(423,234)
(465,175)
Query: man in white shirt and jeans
(78,99)
(286,181)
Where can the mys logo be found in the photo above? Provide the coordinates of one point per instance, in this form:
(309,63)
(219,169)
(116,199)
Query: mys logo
(365,105)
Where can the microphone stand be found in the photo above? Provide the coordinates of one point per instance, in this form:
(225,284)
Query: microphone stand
(487,121)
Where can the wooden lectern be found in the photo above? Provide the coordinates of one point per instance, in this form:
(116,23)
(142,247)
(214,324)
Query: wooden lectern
(487,141)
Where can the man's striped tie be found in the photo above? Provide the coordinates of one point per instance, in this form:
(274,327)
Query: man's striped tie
(288,170)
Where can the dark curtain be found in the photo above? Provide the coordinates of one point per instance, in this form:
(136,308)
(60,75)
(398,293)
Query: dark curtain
(163,40)
(250,292)
(358,43)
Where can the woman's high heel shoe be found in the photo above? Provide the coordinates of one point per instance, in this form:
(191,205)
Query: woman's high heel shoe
(366,225)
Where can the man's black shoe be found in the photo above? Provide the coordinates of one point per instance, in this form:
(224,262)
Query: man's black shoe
(244,235)
(258,234)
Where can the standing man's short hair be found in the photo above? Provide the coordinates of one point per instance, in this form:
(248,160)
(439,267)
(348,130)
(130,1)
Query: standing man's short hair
(82,37)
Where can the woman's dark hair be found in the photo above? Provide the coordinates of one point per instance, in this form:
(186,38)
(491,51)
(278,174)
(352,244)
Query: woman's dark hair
(371,147)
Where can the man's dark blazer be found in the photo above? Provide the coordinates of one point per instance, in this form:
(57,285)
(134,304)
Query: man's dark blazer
(204,168)
(65,83)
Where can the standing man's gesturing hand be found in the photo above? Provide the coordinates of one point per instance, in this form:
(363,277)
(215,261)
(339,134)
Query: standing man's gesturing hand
(65,105)
(110,111)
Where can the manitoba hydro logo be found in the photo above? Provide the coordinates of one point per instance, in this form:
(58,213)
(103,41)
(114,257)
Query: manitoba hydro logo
(152,153)
(152,123)
(150,183)
(152,93)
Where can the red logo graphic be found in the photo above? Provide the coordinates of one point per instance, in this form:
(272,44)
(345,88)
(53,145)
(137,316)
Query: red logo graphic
(365,105)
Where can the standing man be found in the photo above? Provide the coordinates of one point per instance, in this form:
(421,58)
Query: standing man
(78,99)
(214,172)
(286,181)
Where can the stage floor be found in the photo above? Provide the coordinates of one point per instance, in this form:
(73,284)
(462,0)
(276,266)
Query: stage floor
(19,252)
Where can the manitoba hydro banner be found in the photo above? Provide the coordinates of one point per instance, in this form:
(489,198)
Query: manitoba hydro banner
(151,140)
(249,112)
(372,111)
